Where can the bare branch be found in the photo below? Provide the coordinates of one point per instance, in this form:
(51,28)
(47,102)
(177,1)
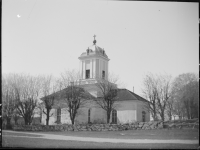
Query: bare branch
(74,95)
(107,95)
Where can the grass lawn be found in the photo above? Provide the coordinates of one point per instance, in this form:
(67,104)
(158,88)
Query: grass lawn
(133,134)
(189,134)
(45,143)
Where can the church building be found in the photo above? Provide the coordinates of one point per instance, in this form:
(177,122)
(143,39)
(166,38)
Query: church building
(130,107)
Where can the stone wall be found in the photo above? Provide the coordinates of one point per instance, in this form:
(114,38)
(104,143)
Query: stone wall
(192,123)
(109,127)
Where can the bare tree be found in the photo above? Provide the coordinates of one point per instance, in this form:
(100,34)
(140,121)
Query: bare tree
(16,116)
(174,106)
(27,90)
(8,100)
(185,92)
(157,89)
(190,99)
(170,108)
(73,94)
(75,98)
(68,77)
(107,94)
(40,107)
(178,106)
(179,109)
(163,94)
(49,87)
(150,93)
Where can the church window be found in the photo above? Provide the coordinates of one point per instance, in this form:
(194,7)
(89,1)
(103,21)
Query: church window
(59,115)
(89,113)
(143,116)
(87,74)
(103,74)
(114,116)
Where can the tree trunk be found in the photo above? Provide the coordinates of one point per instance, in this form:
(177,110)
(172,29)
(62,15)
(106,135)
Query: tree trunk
(8,125)
(108,116)
(187,109)
(163,116)
(47,119)
(188,114)
(29,120)
(41,117)
(26,121)
(155,117)
(73,116)
(170,116)
(72,120)
(16,120)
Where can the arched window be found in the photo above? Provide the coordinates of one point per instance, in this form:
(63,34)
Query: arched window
(103,74)
(114,116)
(89,115)
(143,116)
(59,115)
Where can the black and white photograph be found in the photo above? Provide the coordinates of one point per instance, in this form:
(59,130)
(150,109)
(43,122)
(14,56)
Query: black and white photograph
(100,74)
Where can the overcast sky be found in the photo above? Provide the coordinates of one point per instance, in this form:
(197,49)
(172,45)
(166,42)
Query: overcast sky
(48,36)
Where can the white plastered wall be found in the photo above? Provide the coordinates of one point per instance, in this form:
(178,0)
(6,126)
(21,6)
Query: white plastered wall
(65,117)
(126,111)
(96,113)
(141,106)
(52,119)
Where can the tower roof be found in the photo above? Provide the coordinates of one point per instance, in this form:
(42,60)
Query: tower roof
(94,50)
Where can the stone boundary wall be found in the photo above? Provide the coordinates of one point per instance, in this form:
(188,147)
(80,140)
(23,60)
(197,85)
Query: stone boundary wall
(108,127)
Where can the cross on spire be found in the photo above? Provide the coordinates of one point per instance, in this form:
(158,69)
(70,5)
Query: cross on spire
(94,40)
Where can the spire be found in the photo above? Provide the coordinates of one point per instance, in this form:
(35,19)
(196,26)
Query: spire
(94,40)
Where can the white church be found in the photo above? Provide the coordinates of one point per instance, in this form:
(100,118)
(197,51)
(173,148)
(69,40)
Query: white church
(130,107)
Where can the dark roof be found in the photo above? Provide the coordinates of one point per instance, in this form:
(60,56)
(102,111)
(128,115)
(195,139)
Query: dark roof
(124,94)
(61,93)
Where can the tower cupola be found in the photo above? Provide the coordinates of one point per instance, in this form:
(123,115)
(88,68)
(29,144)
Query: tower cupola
(94,63)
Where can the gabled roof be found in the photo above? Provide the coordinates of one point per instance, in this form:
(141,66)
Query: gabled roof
(60,94)
(124,94)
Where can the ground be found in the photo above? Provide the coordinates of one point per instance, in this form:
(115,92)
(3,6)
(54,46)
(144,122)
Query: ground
(23,139)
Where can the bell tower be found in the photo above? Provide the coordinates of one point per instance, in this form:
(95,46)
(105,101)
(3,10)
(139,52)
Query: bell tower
(93,64)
